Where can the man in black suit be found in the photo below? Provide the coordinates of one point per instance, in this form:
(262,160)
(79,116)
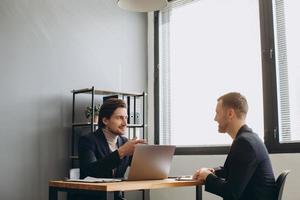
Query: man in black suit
(107,153)
(247,173)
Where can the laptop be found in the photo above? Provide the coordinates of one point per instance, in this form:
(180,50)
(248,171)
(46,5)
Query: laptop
(151,162)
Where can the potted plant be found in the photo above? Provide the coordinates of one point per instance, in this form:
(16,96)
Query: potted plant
(89,112)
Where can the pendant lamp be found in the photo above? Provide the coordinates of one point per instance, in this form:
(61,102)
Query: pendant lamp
(142,5)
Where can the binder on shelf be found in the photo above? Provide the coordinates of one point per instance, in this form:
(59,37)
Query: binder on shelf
(139,111)
(133,111)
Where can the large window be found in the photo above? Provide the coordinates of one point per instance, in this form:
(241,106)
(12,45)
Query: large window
(211,47)
(287,33)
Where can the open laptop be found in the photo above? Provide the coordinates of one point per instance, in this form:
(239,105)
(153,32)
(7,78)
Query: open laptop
(151,162)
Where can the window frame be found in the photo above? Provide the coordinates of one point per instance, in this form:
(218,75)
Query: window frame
(271,126)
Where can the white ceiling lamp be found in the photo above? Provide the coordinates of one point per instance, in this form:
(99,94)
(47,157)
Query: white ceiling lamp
(142,5)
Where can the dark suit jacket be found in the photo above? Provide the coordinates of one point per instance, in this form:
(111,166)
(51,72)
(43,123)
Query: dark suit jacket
(247,173)
(96,159)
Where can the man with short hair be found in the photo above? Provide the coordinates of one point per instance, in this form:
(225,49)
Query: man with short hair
(247,173)
(106,153)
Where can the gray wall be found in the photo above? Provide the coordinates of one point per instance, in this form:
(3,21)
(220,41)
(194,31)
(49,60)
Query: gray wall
(48,48)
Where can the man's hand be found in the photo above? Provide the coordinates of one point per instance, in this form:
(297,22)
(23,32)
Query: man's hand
(128,147)
(201,174)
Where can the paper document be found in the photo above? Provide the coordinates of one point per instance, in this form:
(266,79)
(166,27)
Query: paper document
(184,178)
(90,179)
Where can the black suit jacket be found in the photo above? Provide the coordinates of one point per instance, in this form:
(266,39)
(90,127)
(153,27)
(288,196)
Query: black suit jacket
(97,160)
(247,173)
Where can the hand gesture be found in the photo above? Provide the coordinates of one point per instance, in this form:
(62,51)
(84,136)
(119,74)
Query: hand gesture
(128,147)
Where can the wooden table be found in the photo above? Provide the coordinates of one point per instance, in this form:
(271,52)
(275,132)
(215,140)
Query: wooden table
(110,188)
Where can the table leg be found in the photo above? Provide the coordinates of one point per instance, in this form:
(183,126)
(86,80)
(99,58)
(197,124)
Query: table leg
(146,194)
(110,195)
(52,193)
(198,192)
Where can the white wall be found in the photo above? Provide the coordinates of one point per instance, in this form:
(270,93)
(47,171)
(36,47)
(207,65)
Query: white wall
(48,48)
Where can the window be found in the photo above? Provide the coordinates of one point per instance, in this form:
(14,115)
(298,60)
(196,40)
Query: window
(210,47)
(288,68)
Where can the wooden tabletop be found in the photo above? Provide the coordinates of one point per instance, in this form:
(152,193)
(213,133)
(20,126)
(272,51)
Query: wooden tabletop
(123,186)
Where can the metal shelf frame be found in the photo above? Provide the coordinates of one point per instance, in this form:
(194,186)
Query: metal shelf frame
(123,95)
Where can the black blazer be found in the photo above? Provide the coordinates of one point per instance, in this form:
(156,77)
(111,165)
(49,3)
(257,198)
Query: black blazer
(247,173)
(96,159)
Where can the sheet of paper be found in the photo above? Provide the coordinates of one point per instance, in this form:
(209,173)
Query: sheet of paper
(184,178)
(89,179)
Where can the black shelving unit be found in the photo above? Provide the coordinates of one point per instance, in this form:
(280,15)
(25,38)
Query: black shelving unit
(136,107)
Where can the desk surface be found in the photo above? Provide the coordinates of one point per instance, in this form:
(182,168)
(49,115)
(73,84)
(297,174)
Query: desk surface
(124,185)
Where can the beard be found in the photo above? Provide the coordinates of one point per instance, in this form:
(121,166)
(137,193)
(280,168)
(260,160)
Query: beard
(223,127)
(122,130)
(117,131)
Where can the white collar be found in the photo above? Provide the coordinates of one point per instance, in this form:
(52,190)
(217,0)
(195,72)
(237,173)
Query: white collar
(111,139)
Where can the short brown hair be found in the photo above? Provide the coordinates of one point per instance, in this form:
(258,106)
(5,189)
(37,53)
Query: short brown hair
(236,101)
(107,109)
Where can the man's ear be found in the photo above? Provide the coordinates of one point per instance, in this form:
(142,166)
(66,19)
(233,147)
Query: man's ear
(105,121)
(231,113)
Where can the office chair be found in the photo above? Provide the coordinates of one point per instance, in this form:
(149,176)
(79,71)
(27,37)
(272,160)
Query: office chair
(280,183)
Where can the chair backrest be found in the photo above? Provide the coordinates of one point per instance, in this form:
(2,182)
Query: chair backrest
(280,183)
